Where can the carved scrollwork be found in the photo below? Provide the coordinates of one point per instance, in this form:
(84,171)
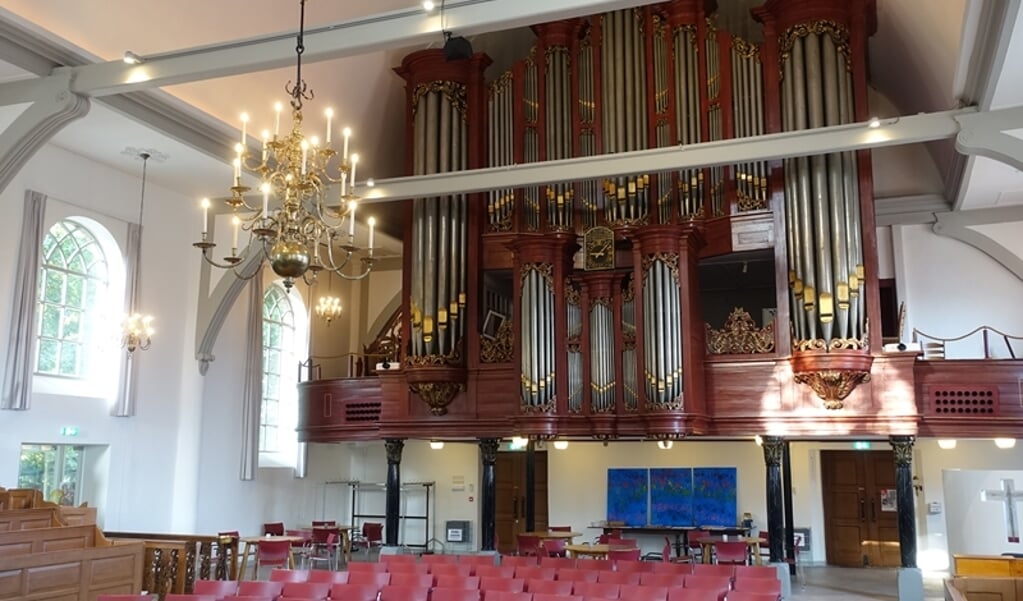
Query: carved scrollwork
(393,447)
(669,259)
(453,359)
(674,404)
(819,344)
(538,409)
(774,448)
(833,385)
(500,348)
(744,48)
(571,293)
(488,450)
(740,336)
(748,203)
(454,92)
(546,271)
(903,450)
(839,35)
(438,395)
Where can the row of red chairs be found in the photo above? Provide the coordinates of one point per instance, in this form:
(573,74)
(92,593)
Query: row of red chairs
(527,575)
(345,592)
(511,564)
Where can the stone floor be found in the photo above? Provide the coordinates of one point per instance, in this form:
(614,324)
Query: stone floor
(857,584)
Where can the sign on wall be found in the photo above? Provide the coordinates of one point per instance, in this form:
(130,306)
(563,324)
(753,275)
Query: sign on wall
(672,496)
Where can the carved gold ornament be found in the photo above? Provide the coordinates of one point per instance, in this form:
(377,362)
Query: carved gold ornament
(740,336)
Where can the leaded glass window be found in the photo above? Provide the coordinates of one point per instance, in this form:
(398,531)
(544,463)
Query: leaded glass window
(278,356)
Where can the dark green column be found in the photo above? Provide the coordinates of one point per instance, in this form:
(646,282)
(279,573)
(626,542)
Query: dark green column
(488,493)
(394,446)
(903,447)
(774,448)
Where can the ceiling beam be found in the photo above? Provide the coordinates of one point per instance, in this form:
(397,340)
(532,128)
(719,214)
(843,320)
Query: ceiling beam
(406,27)
(856,136)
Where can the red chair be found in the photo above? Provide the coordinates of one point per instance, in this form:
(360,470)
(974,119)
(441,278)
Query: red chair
(279,575)
(377,579)
(623,554)
(324,547)
(635,566)
(619,577)
(354,592)
(627,543)
(536,573)
(724,570)
(273,528)
(324,524)
(519,560)
(217,588)
(600,590)
(473,560)
(550,587)
(125,597)
(751,596)
(695,594)
(495,571)
(557,563)
(392,559)
(550,597)
(305,590)
(588,563)
(252,598)
(454,594)
(404,593)
(450,569)
(496,595)
(272,553)
(756,572)
(768,586)
(408,568)
(666,580)
(372,536)
(440,559)
(513,585)
(366,566)
(411,579)
(456,581)
(527,545)
(328,576)
(260,588)
(733,552)
(189,597)
(577,575)
(638,592)
(717,583)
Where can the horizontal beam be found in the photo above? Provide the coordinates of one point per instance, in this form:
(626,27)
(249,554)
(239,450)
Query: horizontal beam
(824,140)
(407,27)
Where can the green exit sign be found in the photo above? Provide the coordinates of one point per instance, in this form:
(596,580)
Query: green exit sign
(862,445)
(69,431)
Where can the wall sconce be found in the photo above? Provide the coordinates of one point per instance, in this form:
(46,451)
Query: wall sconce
(561,445)
(436,445)
(1005,443)
(947,443)
(664,445)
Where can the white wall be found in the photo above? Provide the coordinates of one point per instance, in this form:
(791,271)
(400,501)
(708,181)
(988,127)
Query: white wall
(150,468)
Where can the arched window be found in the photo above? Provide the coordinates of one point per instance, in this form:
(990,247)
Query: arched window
(73,285)
(279,379)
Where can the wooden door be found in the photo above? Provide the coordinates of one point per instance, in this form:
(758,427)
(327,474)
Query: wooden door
(511,496)
(860,517)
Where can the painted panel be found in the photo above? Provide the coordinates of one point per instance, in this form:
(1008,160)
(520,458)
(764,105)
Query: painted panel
(627,496)
(671,496)
(714,496)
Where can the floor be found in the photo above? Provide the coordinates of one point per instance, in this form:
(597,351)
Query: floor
(857,584)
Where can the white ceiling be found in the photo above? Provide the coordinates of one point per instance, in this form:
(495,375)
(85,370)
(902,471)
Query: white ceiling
(920,58)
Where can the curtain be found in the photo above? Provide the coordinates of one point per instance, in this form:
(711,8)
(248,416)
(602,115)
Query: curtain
(252,393)
(127,388)
(17,386)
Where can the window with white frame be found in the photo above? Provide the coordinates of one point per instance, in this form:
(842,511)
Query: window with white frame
(73,286)
(279,381)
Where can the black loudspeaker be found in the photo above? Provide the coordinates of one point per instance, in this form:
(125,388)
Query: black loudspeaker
(456,48)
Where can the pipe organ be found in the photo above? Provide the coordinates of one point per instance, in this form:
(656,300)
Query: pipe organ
(604,291)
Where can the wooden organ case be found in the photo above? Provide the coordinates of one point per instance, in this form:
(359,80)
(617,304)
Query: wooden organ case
(575,308)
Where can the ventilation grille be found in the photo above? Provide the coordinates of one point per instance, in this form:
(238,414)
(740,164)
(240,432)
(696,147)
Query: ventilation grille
(963,400)
(362,412)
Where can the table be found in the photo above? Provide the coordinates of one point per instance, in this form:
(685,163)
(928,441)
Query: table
(597,550)
(680,533)
(254,540)
(752,545)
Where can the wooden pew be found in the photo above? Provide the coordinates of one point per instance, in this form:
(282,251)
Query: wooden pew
(26,519)
(983,589)
(987,565)
(70,563)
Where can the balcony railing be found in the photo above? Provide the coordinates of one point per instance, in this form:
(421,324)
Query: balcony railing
(983,342)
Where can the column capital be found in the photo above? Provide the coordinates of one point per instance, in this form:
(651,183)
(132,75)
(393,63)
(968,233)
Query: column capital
(394,447)
(903,447)
(488,450)
(773,447)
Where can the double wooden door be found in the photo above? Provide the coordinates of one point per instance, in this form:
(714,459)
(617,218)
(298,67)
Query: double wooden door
(860,517)
(511,496)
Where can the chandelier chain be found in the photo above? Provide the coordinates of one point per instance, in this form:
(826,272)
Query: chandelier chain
(300,90)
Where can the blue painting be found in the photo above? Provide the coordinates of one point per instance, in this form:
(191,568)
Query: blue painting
(627,499)
(671,496)
(714,496)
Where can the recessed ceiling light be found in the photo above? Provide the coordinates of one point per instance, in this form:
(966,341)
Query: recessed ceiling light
(427,5)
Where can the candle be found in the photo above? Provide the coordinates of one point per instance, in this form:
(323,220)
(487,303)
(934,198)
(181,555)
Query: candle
(330,116)
(205,204)
(266,142)
(245,125)
(348,133)
(351,216)
(234,238)
(355,162)
(372,223)
(305,154)
(277,119)
(344,185)
(266,198)
(237,171)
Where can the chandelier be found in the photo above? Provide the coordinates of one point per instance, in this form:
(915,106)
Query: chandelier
(137,328)
(303,231)
(328,308)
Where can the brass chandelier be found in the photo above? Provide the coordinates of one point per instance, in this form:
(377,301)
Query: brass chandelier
(303,232)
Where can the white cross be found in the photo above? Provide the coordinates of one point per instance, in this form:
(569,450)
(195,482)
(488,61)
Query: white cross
(1009,498)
